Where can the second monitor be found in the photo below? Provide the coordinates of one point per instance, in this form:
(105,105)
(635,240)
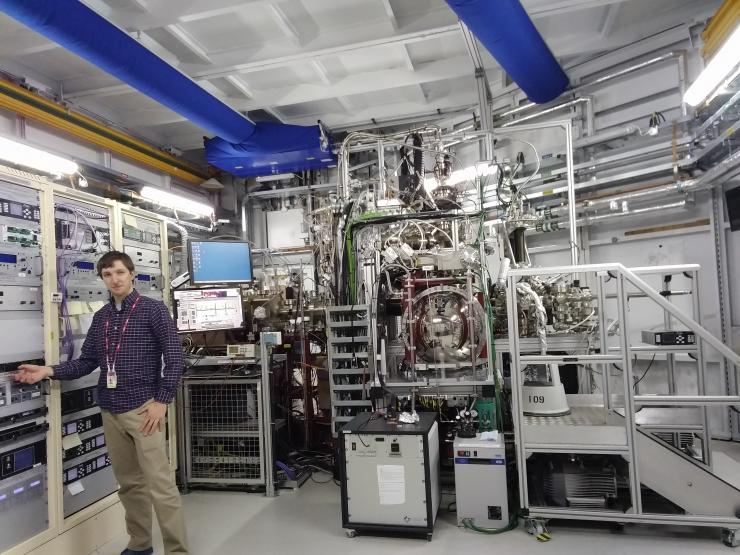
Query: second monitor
(220,262)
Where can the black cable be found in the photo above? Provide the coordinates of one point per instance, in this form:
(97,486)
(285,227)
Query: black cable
(645,373)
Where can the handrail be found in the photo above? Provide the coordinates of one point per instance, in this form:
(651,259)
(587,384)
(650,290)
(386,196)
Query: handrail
(676,312)
(643,286)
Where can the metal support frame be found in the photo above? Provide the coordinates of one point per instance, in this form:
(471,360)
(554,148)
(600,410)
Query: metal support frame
(267,423)
(567,126)
(627,447)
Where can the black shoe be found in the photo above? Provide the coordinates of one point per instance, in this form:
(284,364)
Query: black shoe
(127,551)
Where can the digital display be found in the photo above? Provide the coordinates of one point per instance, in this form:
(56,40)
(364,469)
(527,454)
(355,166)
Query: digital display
(100,462)
(23,459)
(8,258)
(82,265)
(100,441)
(71,428)
(71,474)
(16,209)
(214,262)
(143,277)
(208,309)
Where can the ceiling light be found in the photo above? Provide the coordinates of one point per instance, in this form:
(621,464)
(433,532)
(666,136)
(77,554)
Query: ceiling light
(30,157)
(716,71)
(176,202)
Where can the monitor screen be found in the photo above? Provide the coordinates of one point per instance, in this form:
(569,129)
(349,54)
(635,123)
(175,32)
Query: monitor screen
(208,309)
(215,262)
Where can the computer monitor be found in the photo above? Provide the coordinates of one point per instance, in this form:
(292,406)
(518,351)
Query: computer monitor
(220,262)
(208,309)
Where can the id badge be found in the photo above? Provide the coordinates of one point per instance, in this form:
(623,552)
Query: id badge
(111,379)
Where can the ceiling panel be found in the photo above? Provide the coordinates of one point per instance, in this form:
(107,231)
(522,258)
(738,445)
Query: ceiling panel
(59,64)
(315,108)
(442,47)
(249,27)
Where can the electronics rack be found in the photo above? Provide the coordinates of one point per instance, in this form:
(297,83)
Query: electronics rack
(82,235)
(23,408)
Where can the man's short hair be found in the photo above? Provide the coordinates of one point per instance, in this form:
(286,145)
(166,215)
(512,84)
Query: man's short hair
(109,258)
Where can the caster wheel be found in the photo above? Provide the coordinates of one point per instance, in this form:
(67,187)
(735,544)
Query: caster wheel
(731,538)
(350,533)
(429,537)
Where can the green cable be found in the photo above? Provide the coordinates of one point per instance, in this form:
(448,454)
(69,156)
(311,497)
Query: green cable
(513,523)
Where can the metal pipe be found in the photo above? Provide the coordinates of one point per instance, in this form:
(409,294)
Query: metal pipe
(557,108)
(605,136)
(571,193)
(718,114)
(604,78)
(635,212)
(184,236)
(727,165)
(686,400)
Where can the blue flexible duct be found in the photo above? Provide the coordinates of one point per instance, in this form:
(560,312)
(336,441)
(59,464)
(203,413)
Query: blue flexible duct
(507,32)
(81,30)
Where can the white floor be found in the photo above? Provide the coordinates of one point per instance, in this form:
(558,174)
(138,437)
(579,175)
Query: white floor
(308,522)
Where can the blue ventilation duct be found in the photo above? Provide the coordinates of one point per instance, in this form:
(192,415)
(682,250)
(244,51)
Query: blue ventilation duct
(81,30)
(273,148)
(507,32)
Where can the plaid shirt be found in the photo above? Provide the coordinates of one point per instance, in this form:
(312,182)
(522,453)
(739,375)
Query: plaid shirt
(150,337)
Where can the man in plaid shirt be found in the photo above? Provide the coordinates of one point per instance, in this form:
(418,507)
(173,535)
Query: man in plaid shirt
(128,340)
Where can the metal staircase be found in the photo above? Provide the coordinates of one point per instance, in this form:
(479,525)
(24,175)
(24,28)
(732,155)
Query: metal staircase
(623,423)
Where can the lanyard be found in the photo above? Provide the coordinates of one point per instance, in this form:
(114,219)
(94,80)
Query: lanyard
(112,363)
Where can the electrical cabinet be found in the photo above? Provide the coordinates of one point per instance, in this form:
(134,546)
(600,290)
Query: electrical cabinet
(52,444)
(24,491)
(481,492)
(82,236)
(390,475)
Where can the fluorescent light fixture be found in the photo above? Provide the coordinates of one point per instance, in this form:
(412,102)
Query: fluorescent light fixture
(719,68)
(471,173)
(30,157)
(176,202)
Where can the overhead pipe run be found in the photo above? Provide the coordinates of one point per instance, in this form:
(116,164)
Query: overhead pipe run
(508,33)
(678,55)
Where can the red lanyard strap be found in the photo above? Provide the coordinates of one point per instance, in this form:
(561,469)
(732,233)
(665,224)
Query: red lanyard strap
(112,363)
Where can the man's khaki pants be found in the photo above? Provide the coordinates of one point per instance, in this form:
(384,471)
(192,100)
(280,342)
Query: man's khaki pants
(142,469)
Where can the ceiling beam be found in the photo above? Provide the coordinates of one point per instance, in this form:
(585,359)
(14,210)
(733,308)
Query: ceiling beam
(546,8)
(241,86)
(398,110)
(320,69)
(189,42)
(605,29)
(388,7)
(285,24)
(277,62)
(364,83)
(307,54)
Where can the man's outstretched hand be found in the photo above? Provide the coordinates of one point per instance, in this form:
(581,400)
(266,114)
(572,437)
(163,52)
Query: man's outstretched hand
(32,373)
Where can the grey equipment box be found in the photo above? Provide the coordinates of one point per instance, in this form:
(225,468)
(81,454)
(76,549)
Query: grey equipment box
(480,482)
(390,475)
